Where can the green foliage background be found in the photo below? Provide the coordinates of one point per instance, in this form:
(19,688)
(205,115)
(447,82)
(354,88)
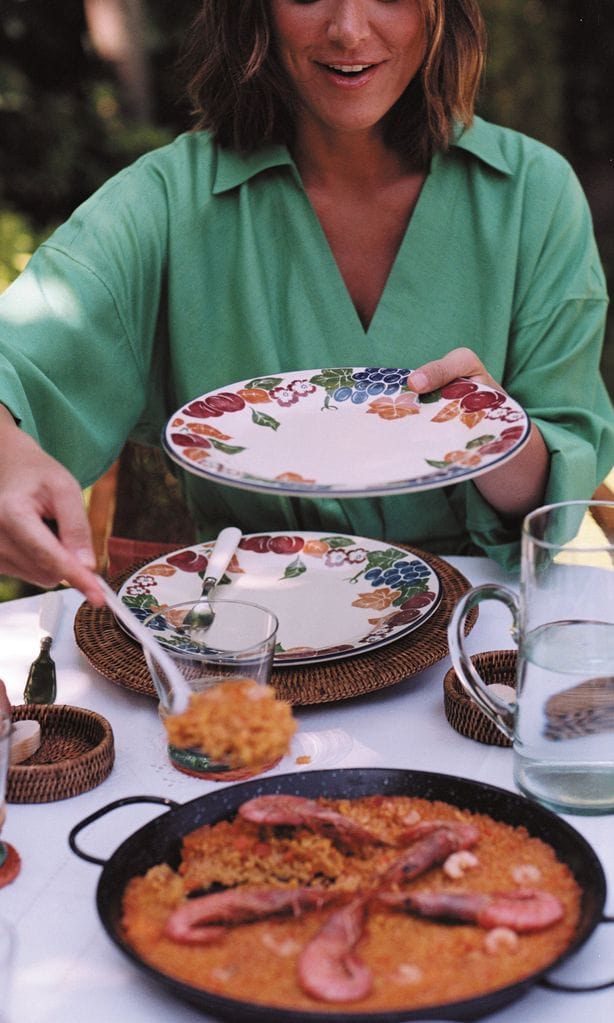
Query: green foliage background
(63,130)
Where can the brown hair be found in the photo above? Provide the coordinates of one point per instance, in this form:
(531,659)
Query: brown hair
(239,90)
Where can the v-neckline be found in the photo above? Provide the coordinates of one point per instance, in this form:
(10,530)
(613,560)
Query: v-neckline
(412,228)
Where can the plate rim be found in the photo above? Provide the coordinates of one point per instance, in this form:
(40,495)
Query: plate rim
(394,487)
(297,662)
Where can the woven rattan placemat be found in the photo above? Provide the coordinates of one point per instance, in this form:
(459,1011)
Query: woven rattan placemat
(119,658)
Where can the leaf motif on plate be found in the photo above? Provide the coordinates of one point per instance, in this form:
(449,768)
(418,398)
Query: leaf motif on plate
(228,449)
(266,383)
(449,411)
(294,569)
(331,379)
(337,541)
(478,442)
(144,600)
(261,419)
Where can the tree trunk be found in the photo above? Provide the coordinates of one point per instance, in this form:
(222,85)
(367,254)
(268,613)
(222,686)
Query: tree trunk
(117,30)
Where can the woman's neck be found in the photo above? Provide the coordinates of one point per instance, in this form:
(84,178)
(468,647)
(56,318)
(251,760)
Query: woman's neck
(345,162)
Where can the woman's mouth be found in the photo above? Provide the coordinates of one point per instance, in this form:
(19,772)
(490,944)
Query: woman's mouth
(346,71)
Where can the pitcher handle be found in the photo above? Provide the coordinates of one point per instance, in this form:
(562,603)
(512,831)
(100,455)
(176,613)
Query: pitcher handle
(500,711)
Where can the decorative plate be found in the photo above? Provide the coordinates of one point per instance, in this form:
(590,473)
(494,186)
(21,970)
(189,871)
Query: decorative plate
(335,596)
(344,432)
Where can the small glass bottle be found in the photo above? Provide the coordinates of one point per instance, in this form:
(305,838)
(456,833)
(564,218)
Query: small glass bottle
(41,682)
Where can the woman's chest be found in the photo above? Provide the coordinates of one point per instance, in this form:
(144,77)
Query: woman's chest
(272,287)
(365,232)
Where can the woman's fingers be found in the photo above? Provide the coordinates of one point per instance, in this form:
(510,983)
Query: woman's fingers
(30,550)
(35,492)
(460,362)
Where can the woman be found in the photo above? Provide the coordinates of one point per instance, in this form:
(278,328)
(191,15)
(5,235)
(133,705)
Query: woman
(338,205)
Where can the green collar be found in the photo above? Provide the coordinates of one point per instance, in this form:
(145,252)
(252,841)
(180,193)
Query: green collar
(233,169)
(482,140)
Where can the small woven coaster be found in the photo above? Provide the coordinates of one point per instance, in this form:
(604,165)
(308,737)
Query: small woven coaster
(119,658)
(76,754)
(462,713)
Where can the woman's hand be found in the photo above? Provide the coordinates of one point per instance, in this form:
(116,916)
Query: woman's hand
(35,490)
(518,486)
(460,362)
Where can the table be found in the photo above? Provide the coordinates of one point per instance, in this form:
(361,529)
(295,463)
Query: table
(67,969)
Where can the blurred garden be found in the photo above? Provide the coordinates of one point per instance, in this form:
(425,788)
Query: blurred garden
(86,86)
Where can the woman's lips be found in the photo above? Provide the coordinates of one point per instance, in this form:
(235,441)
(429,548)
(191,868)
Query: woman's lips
(349,75)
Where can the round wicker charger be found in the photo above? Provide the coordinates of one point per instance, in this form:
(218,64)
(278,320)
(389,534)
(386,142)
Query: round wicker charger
(463,714)
(76,754)
(120,659)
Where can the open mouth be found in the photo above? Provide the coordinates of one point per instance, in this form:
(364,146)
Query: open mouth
(347,70)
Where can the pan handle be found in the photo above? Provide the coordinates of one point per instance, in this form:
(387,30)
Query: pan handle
(555,985)
(102,812)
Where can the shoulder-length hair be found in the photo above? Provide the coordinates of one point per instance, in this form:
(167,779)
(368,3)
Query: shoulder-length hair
(239,91)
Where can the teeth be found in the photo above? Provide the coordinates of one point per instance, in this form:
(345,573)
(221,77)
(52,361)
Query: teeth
(349,67)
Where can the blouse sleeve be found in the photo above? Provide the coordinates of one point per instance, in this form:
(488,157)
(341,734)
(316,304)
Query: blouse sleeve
(77,330)
(555,346)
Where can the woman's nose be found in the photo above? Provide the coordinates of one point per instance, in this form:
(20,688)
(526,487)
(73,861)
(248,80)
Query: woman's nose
(349,23)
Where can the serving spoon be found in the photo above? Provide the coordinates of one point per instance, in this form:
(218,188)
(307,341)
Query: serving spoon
(201,616)
(179,687)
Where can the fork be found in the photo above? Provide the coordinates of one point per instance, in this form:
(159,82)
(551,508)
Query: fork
(200,617)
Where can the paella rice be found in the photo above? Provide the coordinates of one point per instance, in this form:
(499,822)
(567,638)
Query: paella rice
(237,722)
(414,961)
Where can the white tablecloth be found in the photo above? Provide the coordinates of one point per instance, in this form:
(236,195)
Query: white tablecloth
(68,971)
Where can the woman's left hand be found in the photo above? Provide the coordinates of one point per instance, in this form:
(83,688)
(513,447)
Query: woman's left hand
(460,362)
(519,485)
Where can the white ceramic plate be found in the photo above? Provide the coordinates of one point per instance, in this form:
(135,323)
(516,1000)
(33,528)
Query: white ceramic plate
(334,595)
(347,432)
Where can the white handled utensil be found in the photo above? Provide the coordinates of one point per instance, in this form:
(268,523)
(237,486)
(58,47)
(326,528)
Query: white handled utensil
(201,615)
(179,686)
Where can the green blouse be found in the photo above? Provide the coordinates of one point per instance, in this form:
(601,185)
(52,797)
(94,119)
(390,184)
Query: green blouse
(196,267)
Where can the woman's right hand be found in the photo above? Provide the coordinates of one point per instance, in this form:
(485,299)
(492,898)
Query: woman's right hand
(34,491)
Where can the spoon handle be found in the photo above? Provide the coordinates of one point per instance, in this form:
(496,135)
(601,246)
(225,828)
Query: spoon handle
(179,686)
(225,546)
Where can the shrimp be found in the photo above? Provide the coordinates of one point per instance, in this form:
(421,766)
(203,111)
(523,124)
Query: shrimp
(523,910)
(435,841)
(191,923)
(329,969)
(458,863)
(500,940)
(297,810)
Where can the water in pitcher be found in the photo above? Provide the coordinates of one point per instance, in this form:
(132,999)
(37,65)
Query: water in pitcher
(564,745)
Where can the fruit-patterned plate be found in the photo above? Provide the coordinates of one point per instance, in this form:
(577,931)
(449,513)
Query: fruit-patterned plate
(334,595)
(344,432)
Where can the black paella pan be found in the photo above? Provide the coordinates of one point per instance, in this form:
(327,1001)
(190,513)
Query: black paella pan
(160,841)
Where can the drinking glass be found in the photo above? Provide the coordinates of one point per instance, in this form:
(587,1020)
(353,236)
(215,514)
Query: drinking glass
(562,722)
(7,953)
(238,645)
